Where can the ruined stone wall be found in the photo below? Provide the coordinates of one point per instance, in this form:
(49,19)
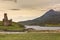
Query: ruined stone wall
(6,22)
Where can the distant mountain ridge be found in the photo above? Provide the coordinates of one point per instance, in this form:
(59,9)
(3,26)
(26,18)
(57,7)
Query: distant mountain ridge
(50,17)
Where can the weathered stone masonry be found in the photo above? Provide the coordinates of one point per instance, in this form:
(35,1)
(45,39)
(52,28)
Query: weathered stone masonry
(6,22)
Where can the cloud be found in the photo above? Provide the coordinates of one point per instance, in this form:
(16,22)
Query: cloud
(7,5)
(36,3)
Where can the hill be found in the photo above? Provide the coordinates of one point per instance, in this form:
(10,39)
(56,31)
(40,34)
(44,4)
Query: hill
(50,18)
(14,27)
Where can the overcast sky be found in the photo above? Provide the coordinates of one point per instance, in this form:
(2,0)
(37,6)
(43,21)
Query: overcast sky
(29,9)
(37,3)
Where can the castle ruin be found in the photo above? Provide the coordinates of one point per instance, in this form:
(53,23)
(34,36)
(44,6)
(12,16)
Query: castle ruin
(6,22)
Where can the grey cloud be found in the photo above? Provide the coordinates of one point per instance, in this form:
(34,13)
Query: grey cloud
(37,3)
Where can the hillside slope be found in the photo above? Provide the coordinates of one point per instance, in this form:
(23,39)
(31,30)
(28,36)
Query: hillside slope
(13,27)
(50,17)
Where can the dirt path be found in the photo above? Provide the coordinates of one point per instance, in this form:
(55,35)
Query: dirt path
(24,32)
(13,32)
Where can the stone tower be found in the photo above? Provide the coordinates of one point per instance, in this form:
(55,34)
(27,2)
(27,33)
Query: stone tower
(6,22)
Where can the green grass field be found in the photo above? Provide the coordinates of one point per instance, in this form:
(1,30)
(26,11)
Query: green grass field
(31,36)
(14,26)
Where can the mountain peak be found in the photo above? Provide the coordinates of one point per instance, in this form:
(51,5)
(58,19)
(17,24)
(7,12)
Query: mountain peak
(51,10)
(50,17)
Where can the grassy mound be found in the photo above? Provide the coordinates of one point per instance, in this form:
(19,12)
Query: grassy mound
(13,27)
